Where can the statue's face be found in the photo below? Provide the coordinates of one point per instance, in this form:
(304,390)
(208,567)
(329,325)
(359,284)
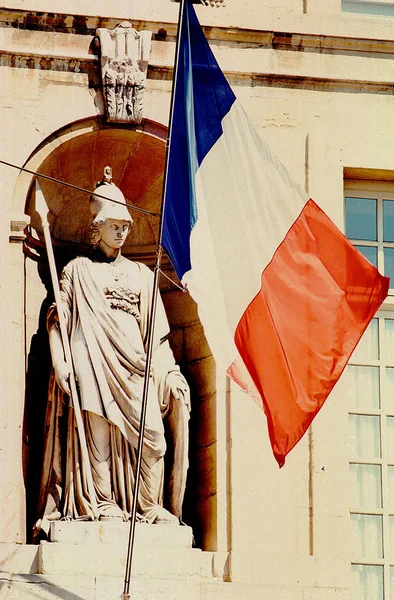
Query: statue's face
(114,233)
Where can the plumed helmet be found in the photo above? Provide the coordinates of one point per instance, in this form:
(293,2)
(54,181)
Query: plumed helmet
(115,205)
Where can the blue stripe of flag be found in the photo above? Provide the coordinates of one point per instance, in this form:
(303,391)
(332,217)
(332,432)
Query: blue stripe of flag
(202,98)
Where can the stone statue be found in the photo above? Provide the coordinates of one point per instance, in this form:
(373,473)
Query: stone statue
(124,64)
(106,301)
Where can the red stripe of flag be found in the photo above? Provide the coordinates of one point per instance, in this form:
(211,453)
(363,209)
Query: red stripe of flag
(317,296)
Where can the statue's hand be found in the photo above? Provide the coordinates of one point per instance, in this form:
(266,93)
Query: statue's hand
(62,374)
(140,362)
(178,386)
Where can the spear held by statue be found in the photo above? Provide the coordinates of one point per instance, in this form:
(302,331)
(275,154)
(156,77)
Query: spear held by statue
(42,210)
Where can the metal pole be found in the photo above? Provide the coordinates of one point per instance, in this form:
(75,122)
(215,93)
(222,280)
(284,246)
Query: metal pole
(41,208)
(130,547)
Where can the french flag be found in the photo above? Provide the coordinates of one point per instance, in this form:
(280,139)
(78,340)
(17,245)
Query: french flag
(282,294)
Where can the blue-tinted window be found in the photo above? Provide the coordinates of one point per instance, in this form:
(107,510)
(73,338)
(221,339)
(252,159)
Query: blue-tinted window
(361,219)
(370,253)
(368,8)
(389,263)
(370,226)
(388,221)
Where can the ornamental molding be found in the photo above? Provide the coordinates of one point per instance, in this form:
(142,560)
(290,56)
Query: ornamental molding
(124,54)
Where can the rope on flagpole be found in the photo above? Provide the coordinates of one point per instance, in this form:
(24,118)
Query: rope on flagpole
(79,189)
(180,287)
(157,270)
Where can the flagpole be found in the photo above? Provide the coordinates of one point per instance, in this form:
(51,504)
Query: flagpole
(130,547)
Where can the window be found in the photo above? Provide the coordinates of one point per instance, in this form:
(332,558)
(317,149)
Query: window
(384,8)
(369,218)
(369,381)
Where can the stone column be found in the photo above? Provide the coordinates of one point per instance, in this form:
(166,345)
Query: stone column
(206,493)
(12,490)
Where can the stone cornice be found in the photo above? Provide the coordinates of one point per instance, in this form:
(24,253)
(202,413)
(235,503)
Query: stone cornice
(90,67)
(65,43)
(166,31)
(265,79)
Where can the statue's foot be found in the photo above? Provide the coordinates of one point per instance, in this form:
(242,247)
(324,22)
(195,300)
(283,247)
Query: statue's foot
(164,517)
(109,512)
(54,516)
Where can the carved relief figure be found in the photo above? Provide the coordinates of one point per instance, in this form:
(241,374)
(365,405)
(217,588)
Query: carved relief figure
(124,63)
(134,92)
(106,300)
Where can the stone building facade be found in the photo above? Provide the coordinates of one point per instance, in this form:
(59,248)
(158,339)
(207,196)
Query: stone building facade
(316,78)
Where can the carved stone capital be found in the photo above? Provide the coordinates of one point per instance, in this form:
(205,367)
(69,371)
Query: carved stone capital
(124,63)
(17,229)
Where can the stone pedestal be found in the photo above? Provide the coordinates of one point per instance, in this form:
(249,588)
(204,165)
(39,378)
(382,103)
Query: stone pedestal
(86,560)
(85,548)
(90,557)
(116,532)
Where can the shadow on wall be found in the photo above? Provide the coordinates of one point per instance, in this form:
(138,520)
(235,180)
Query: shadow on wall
(195,359)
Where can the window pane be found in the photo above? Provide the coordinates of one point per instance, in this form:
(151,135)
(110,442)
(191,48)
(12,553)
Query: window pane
(363,386)
(389,341)
(369,582)
(390,438)
(389,390)
(370,253)
(368,8)
(390,499)
(391,582)
(364,436)
(391,531)
(366,536)
(389,264)
(388,220)
(368,347)
(360,218)
(365,486)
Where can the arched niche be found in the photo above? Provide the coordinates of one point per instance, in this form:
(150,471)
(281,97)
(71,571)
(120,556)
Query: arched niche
(136,156)
(77,154)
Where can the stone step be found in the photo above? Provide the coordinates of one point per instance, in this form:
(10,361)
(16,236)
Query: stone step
(109,559)
(108,532)
(34,587)
(18,558)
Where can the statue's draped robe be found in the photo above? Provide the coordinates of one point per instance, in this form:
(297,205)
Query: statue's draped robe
(106,305)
